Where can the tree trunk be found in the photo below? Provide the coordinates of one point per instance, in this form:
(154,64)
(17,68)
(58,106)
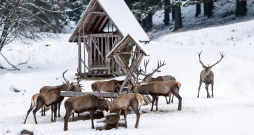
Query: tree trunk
(198,9)
(147,23)
(166,12)
(173,12)
(208,8)
(178,18)
(241,7)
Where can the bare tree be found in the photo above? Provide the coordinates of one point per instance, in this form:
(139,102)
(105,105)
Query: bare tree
(24,19)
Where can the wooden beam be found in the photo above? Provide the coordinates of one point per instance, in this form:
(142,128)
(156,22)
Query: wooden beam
(103,23)
(97,24)
(103,94)
(98,13)
(79,55)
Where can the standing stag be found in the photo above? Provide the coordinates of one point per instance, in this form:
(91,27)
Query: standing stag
(148,78)
(123,102)
(74,88)
(81,104)
(207,75)
(48,98)
(106,86)
(158,88)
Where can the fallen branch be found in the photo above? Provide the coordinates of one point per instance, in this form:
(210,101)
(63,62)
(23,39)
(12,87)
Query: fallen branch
(10,63)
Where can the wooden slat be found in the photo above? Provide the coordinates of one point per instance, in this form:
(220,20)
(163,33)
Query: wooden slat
(103,94)
(98,50)
(98,13)
(90,53)
(107,51)
(95,46)
(79,54)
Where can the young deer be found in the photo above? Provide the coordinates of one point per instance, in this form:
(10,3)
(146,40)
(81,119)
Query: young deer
(123,102)
(207,75)
(158,88)
(81,104)
(48,98)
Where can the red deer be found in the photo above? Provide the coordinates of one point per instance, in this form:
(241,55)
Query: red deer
(207,75)
(48,98)
(81,104)
(148,78)
(123,103)
(46,88)
(158,88)
(106,86)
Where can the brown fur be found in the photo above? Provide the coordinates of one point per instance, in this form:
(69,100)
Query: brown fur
(123,103)
(46,88)
(47,98)
(105,86)
(161,78)
(207,75)
(159,88)
(81,104)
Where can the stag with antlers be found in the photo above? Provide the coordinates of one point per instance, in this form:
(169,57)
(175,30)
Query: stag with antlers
(148,77)
(207,75)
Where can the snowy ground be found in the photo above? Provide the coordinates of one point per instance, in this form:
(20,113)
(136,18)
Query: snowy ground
(229,112)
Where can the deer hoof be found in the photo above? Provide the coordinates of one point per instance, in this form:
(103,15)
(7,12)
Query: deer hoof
(65,129)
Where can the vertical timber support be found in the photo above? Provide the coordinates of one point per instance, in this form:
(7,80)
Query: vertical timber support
(79,55)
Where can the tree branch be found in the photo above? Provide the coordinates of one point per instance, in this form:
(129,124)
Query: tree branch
(10,63)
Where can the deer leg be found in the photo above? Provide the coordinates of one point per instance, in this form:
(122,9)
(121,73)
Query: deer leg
(154,97)
(176,93)
(135,108)
(38,106)
(212,89)
(78,114)
(118,118)
(44,110)
(172,98)
(167,100)
(55,110)
(66,118)
(58,107)
(30,109)
(91,115)
(73,117)
(208,95)
(200,83)
(157,100)
(125,116)
(52,113)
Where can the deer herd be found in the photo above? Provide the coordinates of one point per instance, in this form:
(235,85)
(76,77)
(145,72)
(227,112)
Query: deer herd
(155,87)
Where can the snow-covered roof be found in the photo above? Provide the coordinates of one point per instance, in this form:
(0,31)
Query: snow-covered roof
(140,45)
(119,13)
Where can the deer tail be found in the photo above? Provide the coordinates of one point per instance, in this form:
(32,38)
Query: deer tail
(178,84)
(140,101)
(34,100)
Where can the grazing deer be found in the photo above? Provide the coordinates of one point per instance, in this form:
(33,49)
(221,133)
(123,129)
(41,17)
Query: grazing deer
(207,75)
(81,104)
(48,98)
(123,103)
(158,88)
(148,78)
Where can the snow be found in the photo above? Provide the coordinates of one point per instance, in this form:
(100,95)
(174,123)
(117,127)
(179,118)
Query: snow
(229,112)
(123,18)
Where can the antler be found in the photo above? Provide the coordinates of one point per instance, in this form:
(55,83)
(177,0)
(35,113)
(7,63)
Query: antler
(64,77)
(146,63)
(155,70)
(200,60)
(222,56)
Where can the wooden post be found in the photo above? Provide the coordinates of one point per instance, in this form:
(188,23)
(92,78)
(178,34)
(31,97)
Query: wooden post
(85,43)
(79,54)
(90,54)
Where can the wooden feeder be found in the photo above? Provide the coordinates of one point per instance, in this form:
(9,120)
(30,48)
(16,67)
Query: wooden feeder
(137,53)
(101,27)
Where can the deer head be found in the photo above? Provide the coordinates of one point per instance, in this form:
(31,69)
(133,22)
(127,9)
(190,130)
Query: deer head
(207,69)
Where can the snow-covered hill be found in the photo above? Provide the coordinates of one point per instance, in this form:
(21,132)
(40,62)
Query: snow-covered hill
(229,112)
